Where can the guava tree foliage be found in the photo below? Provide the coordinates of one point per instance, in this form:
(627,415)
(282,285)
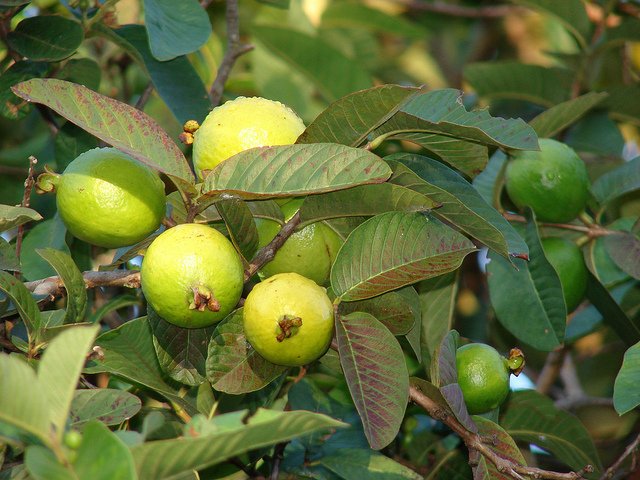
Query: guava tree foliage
(410,177)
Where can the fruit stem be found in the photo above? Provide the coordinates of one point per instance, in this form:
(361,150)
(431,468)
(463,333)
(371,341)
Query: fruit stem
(586,219)
(203,299)
(286,325)
(47,182)
(515,362)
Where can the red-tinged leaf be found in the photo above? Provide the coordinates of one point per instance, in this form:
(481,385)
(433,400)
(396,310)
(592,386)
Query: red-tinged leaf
(376,373)
(233,366)
(624,250)
(503,446)
(125,127)
(430,390)
(295,170)
(395,249)
(390,308)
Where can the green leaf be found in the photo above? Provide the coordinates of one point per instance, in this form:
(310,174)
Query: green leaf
(48,37)
(25,415)
(334,74)
(129,353)
(12,106)
(350,119)
(512,80)
(627,30)
(626,396)
(624,250)
(110,34)
(364,200)
(232,365)
(531,417)
(107,405)
(73,282)
(459,201)
(395,249)
(295,170)
(181,351)
(71,141)
(83,71)
(103,456)
(115,303)
(166,458)
(534,293)
(555,119)
(572,13)
(11,217)
(48,233)
(502,445)
(60,369)
(358,463)
(23,302)
(390,309)
(376,373)
(241,226)
(42,464)
(175,28)
(8,257)
(623,103)
(617,182)
(176,80)
(125,127)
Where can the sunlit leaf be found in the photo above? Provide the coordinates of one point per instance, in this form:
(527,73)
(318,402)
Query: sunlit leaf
(101,443)
(110,406)
(626,395)
(11,216)
(557,118)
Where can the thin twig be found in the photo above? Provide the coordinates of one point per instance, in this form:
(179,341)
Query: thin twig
(116,278)
(28,188)
(234,50)
(458,10)
(144,96)
(631,449)
(551,370)
(592,231)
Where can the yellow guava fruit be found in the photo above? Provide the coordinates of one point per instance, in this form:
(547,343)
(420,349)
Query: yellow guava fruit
(241,124)
(288,319)
(192,275)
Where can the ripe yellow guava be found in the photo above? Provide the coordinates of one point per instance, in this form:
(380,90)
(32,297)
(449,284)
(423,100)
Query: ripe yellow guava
(309,252)
(288,319)
(192,275)
(110,199)
(567,260)
(553,181)
(241,124)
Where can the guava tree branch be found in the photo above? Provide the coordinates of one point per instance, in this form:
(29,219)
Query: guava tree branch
(592,231)
(28,188)
(444,8)
(475,443)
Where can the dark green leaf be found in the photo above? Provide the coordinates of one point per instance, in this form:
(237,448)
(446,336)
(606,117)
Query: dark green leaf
(109,406)
(11,216)
(395,249)
(11,105)
(83,71)
(628,29)
(624,250)
(459,201)
(502,445)
(23,302)
(181,351)
(117,123)
(334,74)
(49,233)
(71,141)
(617,182)
(8,258)
(296,170)
(101,29)
(46,37)
(390,309)
(557,118)
(73,282)
(242,228)
(353,15)
(176,81)
(376,373)
(430,390)
(233,366)
(531,417)
(358,463)
(175,28)
(490,181)
(626,395)
(534,294)
(116,303)
(623,103)
(534,83)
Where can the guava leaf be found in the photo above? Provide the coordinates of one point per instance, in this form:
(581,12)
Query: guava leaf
(333,73)
(533,307)
(617,182)
(490,181)
(390,309)
(83,71)
(502,445)
(364,200)
(557,118)
(225,439)
(626,395)
(108,405)
(60,368)
(25,415)
(411,297)
(352,118)
(8,258)
(357,15)
(46,37)
(41,462)
(11,217)
(623,102)
(48,233)
(534,83)
(356,463)
(295,170)
(232,365)
(125,127)
(395,249)
(181,351)
(73,282)
(624,250)
(24,303)
(376,373)
(430,390)
(12,106)
(459,201)
(242,228)
(531,417)
(627,29)
(175,28)
(129,353)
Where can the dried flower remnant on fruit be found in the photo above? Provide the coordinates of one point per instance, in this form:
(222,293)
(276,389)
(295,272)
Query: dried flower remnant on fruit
(286,327)
(203,299)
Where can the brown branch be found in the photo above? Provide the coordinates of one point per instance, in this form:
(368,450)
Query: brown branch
(458,10)
(551,370)
(234,50)
(475,443)
(144,96)
(28,188)
(632,448)
(116,278)
(593,231)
